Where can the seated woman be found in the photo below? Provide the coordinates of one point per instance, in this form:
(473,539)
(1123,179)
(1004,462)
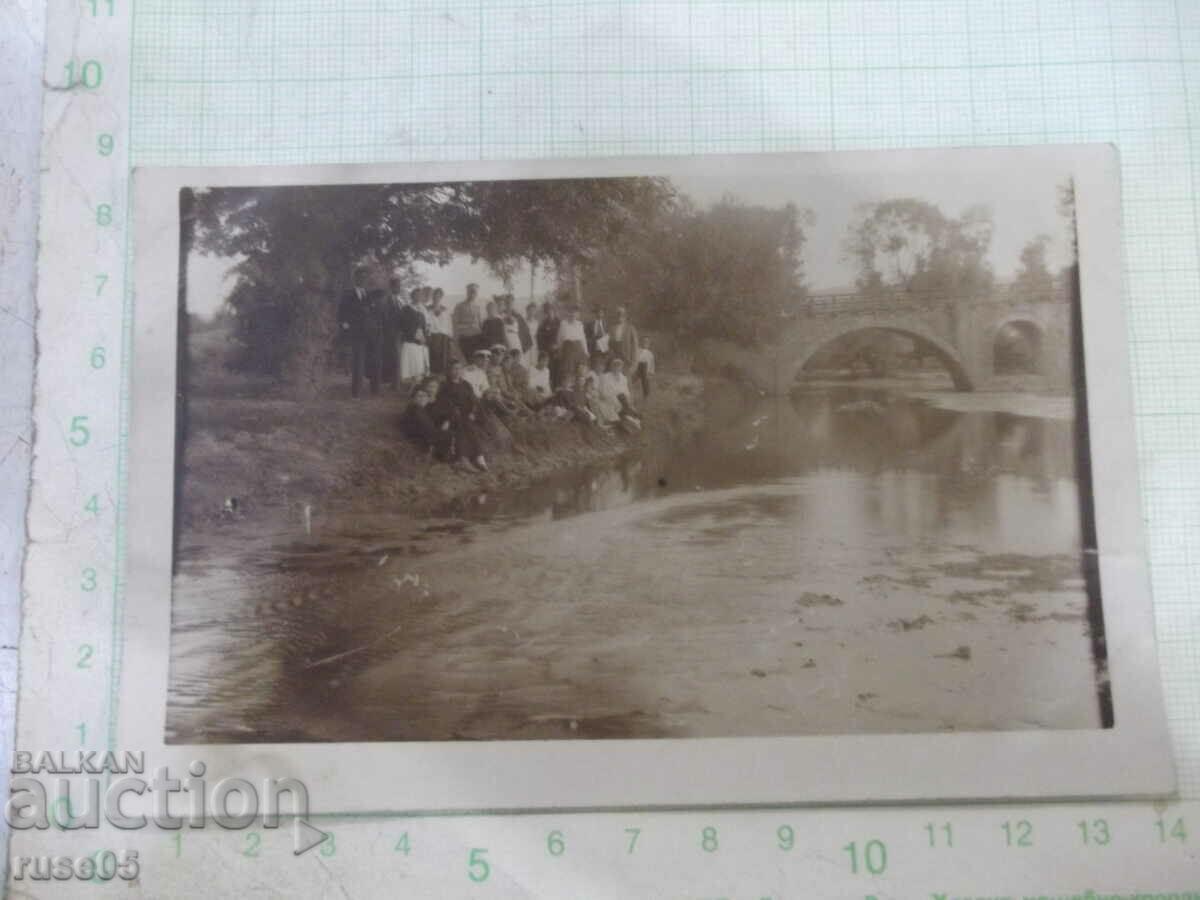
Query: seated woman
(612,400)
(419,424)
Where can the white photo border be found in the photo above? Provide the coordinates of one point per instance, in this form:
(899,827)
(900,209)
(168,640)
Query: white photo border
(1131,759)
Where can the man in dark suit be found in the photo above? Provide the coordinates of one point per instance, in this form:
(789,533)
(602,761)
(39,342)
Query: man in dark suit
(457,404)
(547,335)
(359,318)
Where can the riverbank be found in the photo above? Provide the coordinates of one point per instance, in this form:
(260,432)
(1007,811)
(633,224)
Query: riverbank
(281,456)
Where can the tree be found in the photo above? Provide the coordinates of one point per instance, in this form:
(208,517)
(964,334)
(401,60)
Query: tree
(295,247)
(1033,280)
(727,272)
(560,223)
(909,245)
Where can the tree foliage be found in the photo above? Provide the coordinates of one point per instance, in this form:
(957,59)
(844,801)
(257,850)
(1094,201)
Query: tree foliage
(909,245)
(296,247)
(728,272)
(557,223)
(1034,279)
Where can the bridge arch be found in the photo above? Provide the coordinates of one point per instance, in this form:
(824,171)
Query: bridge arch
(795,353)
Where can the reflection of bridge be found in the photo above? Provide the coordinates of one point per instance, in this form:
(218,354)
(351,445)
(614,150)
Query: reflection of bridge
(961,333)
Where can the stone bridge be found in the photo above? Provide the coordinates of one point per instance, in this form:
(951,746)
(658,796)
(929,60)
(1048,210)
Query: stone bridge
(960,333)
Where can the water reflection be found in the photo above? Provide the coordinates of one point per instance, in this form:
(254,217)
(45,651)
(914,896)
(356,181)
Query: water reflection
(917,466)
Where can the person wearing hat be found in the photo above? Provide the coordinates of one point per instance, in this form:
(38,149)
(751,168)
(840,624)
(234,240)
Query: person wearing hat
(457,410)
(475,372)
(420,424)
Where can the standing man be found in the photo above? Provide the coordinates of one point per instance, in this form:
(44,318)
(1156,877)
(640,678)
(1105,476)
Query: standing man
(624,339)
(645,367)
(571,345)
(440,326)
(467,319)
(547,341)
(597,334)
(393,302)
(359,318)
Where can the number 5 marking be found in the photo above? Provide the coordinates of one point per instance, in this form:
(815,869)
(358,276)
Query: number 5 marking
(478,869)
(80,434)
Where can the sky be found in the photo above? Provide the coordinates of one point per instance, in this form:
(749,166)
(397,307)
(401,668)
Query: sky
(1023,202)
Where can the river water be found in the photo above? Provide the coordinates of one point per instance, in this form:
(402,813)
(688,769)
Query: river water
(840,561)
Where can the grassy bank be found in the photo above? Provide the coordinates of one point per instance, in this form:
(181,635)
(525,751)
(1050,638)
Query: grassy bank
(248,438)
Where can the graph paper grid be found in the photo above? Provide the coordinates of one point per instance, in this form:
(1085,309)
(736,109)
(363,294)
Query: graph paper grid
(230,82)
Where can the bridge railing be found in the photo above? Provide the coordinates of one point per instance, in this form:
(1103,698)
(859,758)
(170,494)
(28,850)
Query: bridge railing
(859,304)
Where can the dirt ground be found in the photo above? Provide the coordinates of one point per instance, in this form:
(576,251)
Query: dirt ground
(280,453)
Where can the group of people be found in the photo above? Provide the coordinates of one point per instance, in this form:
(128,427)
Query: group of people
(486,362)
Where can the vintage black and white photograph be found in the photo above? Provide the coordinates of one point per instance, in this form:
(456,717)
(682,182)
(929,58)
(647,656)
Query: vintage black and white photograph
(732,454)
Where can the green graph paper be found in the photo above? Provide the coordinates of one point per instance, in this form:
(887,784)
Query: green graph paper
(221,82)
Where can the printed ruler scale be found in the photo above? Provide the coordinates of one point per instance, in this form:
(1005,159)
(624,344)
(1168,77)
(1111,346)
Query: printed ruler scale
(71,655)
(71,652)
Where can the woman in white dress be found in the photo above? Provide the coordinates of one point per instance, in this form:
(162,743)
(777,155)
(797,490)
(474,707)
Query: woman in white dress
(414,354)
(612,398)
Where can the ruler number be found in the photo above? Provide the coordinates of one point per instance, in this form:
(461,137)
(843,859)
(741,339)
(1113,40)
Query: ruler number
(1018,834)
(786,835)
(329,845)
(98,358)
(101,280)
(104,214)
(82,729)
(88,582)
(1173,831)
(940,835)
(177,839)
(873,858)
(89,74)
(634,834)
(1095,832)
(80,434)
(253,842)
(85,656)
(403,845)
(556,845)
(708,840)
(98,5)
(104,144)
(478,869)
